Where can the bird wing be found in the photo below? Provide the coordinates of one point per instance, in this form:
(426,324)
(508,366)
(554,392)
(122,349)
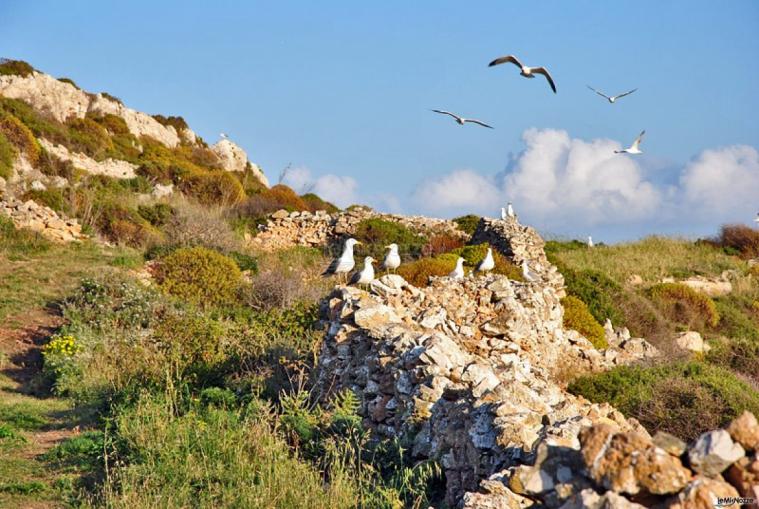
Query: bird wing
(332,267)
(478,122)
(356,277)
(544,72)
(338,265)
(626,93)
(597,92)
(508,58)
(448,113)
(637,141)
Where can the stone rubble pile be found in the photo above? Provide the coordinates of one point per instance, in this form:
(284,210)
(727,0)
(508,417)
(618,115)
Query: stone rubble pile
(469,372)
(41,219)
(287,229)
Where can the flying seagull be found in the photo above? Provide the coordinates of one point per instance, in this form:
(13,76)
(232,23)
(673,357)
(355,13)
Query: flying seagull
(462,120)
(528,274)
(527,72)
(392,259)
(488,263)
(590,241)
(365,275)
(634,148)
(345,262)
(458,272)
(612,99)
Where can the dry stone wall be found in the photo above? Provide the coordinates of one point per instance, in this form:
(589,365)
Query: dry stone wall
(41,219)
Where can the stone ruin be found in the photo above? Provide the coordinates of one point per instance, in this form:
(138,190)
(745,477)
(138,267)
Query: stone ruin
(41,219)
(471,373)
(287,229)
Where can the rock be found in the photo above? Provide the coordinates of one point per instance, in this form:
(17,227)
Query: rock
(110,167)
(629,462)
(588,498)
(710,287)
(375,316)
(140,124)
(280,214)
(45,93)
(669,443)
(32,216)
(713,452)
(744,429)
(744,476)
(233,158)
(634,280)
(161,190)
(38,186)
(691,341)
(527,480)
(701,493)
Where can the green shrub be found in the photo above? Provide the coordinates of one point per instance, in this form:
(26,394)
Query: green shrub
(377,233)
(21,137)
(314,203)
(596,290)
(89,137)
(685,305)
(738,348)
(577,317)
(50,165)
(266,201)
(111,97)
(70,82)
(244,261)
(7,157)
(418,272)
(200,275)
(468,223)
(211,187)
(52,197)
(124,225)
(684,399)
(177,123)
(157,214)
(10,67)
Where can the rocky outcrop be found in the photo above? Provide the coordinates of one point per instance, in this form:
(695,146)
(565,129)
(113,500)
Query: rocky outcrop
(234,158)
(468,371)
(41,219)
(110,167)
(287,229)
(139,124)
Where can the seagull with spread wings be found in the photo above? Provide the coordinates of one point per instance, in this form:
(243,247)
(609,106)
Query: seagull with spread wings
(634,148)
(612,99)
(527,72)
(462,120)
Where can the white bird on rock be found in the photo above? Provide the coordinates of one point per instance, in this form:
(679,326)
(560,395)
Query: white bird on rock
(590,241)
(365,275)
(488,263)
(510,210)
(345,262)
(634,148)
(458,272)
(527,72)
(224,135)
(392,260)
(612,99)
(527,274)
(756,219)
(462,120)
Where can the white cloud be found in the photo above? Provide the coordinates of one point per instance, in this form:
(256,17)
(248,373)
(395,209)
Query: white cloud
(723,182)
(340,190)
(461,189)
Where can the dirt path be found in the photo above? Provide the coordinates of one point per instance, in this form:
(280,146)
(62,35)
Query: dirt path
(31,422)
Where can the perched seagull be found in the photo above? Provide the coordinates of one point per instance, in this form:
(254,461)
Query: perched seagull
(527,72)
(756,220)
(224,135)
(365,275)
(503,213)
(345,262)
(392,259)
(510,210)
(462,120)
(458,272)
(488,263)
(612,99)
(635,147)
(590,241)
(527,274)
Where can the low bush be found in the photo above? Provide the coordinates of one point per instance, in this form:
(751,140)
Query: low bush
(196,225)
(123,225)
(10,67)
(267,201)
(60,365)
(88,137)
(314,203)
(200,276)
(53,197)
(475,253)
(50,165)
(684,399)
(685,305)
(467,224)
(596,290)
(177,123)
(578,317)
(111,97)
(7,157)
(211,187)
(738,346)
(740,238)
(20,136)
(158,214)
(69,81)
(376,233)
(418,272)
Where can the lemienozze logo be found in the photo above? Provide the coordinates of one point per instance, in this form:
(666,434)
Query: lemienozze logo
(728,501)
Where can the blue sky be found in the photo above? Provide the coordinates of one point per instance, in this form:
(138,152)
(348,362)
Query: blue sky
(341,91)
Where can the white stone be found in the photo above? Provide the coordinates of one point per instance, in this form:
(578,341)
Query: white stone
(713,452)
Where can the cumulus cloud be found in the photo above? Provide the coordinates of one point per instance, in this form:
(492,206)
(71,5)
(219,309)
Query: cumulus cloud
(567,184)
(340,190)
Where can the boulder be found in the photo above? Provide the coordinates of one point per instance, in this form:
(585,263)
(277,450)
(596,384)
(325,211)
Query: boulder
(713,452)
(744,429)
(691,341)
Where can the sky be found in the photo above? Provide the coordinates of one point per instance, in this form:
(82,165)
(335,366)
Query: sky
(340,93)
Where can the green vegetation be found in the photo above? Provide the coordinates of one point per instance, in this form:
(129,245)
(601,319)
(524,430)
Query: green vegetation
(7,156)
(578,317)
(177,123)
(15,67)
(738,239)
(200,275)
(69,81)
(468,223)
(377,233)
(685,306)
(685,399)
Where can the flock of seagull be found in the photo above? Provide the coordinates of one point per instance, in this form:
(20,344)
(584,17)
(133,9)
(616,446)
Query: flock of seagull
(345,263)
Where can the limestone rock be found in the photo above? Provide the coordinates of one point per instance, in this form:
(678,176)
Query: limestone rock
(110,167)
(669,443)
(41,219)
(744,429)
(713,452)
(702,493)
(691,341)
(139,124)
(161,190)
(744,476)
(234,158)
(45,93)
(710,287)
